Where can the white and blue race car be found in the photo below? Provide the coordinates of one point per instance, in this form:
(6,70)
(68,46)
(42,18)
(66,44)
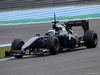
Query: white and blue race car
(55,40)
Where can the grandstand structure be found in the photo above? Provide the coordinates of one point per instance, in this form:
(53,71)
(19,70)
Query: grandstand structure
(6,5)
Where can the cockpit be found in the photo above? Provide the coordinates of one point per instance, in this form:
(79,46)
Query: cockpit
(51,32)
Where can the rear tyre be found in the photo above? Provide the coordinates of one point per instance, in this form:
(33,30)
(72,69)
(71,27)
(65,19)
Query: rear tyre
(90,39)
(17,45)
(53,45)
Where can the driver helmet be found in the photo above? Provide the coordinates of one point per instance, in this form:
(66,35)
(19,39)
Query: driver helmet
(51,32)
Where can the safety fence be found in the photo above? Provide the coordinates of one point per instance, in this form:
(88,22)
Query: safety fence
(25,4)
(46,14)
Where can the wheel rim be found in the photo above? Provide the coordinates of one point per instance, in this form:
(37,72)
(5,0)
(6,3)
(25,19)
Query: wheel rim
(20,45)
(95,39)
(56,44)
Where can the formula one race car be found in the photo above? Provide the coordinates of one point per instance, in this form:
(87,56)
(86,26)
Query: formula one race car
(55,40)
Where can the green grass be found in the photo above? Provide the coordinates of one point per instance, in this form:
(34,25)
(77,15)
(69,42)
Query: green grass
(2,51)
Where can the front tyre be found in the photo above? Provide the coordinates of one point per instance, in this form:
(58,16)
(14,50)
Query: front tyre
(90,39)
(17,45)
(53,45)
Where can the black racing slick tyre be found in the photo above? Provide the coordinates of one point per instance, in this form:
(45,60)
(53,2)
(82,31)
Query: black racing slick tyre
(17,45)
(90,39)
(53,45)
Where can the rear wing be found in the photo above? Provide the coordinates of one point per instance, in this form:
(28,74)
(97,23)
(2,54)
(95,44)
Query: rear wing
(83,23)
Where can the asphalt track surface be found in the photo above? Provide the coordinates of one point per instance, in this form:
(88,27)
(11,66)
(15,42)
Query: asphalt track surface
(76,62)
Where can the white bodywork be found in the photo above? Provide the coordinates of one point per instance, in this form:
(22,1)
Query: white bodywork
(61,31)
(29,42)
